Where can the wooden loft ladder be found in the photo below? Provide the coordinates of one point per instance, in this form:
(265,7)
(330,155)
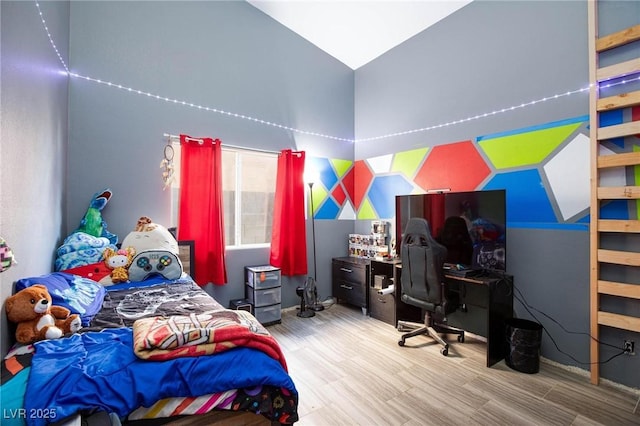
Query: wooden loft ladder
(599,194)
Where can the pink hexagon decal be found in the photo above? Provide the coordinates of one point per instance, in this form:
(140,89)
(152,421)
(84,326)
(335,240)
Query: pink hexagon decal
(457,166)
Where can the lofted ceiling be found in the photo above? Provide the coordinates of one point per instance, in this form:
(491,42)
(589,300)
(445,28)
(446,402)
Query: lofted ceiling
(357,31)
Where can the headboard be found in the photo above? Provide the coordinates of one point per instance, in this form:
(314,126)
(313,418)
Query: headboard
(187,255)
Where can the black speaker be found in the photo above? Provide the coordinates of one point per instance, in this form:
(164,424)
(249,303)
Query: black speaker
(241,304)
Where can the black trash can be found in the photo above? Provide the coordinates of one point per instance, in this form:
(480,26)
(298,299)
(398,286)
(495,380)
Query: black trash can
(523,340)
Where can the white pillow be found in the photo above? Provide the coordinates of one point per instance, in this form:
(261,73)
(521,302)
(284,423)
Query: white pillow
(156,238)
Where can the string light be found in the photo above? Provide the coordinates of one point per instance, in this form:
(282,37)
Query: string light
(206,108)
(305,132)
(55,48)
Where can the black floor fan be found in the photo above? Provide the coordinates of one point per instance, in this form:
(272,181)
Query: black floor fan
(303,292)
(308,299)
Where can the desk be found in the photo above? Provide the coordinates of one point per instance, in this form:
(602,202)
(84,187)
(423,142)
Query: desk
(489,303)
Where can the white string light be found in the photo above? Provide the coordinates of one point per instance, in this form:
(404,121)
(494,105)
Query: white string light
(305,132)
(55,48)
(206,108)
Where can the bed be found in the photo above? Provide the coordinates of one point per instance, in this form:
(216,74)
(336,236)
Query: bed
(153,349)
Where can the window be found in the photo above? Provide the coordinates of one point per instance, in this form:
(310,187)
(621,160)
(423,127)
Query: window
(249,184)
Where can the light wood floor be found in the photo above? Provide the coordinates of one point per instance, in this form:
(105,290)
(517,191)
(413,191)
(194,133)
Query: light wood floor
(350,370)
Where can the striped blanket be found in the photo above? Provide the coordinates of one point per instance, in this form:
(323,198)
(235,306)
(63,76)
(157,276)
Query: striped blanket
(162,338)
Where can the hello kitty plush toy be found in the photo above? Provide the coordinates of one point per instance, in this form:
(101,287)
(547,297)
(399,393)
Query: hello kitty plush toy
(119,262)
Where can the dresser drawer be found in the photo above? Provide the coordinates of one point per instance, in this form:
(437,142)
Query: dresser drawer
(382,307)
(350,272)
(353,293)
(268,315)
(263,276)
(269,296)
(350,281)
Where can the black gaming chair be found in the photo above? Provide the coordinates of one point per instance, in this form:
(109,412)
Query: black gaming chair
(423,284)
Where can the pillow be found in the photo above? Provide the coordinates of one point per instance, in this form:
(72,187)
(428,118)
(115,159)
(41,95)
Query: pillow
(94,271)
(148,263)
(80,295)
(151,237)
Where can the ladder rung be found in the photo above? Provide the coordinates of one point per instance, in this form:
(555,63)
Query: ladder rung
(619,160)
(619,130)
(618,192)
(609,225)
(617,257)
(618,70)
(624,322)
(623,100)
(619,289)
(628,35)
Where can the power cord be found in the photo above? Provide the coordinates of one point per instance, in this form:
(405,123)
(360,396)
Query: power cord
(528,309)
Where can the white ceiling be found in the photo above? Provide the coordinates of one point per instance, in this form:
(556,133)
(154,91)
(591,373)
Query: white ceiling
(357,31)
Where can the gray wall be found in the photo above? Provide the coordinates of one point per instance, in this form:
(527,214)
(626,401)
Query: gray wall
(226,55)
(33,151)
(487,56)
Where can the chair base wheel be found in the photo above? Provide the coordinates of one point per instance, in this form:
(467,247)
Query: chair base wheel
(461,338)
(444,351)
(401,342)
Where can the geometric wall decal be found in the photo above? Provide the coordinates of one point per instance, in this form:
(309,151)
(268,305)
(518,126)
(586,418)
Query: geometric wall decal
(611,118)
(339,195)
(347,212)
(341,166)
(325,172)
(526,147)
(568,173)
(527,200)
(408,162)
(318,198)
(383,191)
(612,176)
(328,210)
(457,166)
(363,177)
(617,209)
(380,164)
(366,210)
(347,182)
(544,170)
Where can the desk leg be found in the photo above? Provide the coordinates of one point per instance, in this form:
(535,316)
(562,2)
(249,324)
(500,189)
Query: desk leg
(501,309)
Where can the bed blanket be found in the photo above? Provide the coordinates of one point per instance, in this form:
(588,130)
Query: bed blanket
(99,371)
(125,304)
(162,338)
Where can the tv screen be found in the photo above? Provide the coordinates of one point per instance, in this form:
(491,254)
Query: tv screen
(472,225)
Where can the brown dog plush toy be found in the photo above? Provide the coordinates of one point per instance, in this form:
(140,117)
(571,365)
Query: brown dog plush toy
(37,319)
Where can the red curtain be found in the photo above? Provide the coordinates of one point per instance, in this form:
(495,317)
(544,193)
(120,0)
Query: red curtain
(288,233)
(201,210)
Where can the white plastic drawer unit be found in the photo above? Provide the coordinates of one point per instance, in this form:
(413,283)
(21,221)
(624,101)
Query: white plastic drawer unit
(268,314)
(260,277)
(269,296)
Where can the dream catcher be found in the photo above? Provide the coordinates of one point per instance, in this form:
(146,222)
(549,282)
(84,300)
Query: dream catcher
(168,169)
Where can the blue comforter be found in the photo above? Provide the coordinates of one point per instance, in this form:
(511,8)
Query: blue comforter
(99,371)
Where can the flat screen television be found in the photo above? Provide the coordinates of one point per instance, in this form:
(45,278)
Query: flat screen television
(472,225)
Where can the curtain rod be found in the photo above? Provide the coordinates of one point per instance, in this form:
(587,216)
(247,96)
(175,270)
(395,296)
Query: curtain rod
(174,138)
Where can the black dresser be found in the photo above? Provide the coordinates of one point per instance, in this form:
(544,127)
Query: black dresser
(350,279)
